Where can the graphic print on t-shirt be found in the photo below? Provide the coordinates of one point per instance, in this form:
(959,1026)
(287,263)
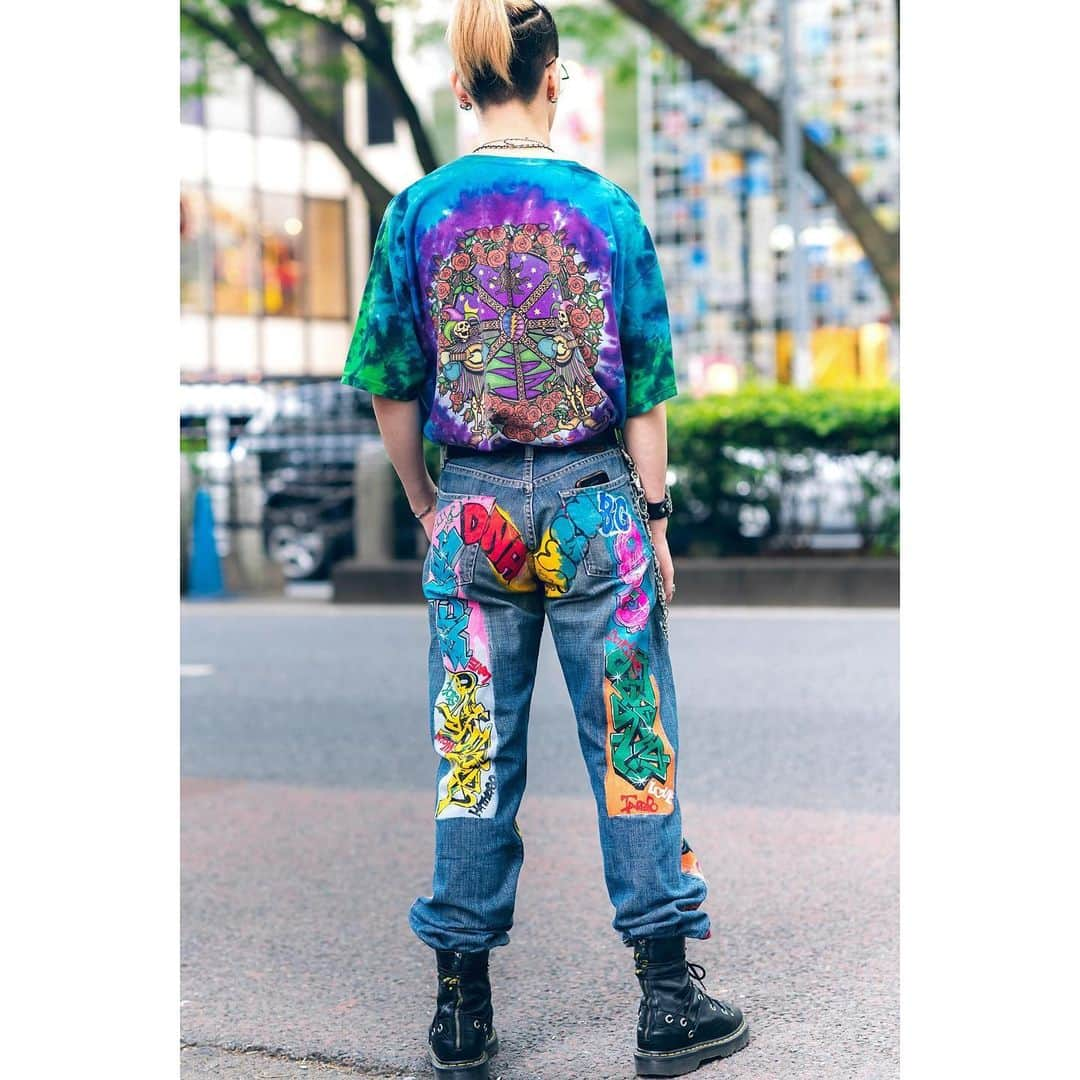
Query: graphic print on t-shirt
(518,301)
(520,319)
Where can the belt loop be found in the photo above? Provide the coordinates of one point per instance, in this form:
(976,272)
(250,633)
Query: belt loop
(527,461)
(442,455)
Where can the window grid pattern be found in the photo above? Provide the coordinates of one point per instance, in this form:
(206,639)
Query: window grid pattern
(244,254)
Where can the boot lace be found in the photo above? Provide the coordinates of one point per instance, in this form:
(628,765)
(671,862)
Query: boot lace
(697,976)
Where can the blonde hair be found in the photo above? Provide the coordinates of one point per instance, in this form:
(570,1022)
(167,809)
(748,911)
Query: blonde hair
(481,38)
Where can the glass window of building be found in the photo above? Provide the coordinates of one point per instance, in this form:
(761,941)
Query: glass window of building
(323,64)
(281,231)
(194,251)
(273,114)
(326,258)
(380,113)
(229,104)
(233,231)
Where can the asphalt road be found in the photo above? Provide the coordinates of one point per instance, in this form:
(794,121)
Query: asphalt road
(307,834)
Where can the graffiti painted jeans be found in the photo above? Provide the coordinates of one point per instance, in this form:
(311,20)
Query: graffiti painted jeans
(521,537)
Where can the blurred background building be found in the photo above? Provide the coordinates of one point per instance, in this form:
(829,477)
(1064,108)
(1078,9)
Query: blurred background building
(712,185)
(271,239)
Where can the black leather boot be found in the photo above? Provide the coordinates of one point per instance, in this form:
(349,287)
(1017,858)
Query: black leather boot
(462,1036)
(679,1026)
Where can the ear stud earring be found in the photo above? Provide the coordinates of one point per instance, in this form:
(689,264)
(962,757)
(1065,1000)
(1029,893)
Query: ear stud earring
(465,105)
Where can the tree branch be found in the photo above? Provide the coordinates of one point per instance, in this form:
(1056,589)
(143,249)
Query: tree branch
(247,43)
(375,49)
(217,32)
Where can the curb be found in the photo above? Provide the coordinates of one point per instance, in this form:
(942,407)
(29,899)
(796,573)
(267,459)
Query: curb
(785,582)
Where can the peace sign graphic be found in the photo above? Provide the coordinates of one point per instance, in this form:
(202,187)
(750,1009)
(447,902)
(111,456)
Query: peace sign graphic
(520,318)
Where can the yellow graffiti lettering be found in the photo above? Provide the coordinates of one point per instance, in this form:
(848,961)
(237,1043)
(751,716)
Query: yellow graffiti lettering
(464,739)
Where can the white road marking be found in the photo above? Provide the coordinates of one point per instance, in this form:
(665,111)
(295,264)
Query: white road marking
(194,671)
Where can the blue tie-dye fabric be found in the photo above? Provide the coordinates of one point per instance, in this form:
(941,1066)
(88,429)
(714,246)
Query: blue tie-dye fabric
(520,299)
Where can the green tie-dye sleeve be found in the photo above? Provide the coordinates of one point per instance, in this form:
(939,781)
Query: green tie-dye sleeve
(644,325)
(385,357)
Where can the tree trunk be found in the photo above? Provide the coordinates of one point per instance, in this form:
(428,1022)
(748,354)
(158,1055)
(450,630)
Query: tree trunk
(376,51)
(321,125)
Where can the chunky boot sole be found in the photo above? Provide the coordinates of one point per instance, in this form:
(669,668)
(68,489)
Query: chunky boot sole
(466,1070)
(679,1062)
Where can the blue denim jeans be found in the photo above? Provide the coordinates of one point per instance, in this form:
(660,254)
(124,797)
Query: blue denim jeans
(519,537)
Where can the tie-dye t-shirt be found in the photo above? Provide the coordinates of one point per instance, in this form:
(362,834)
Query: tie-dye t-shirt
(520,299)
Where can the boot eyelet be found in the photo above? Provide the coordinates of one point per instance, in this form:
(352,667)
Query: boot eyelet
(690,1033)
(440,1027)
(682,1022)
(476,1024)
(669,1018)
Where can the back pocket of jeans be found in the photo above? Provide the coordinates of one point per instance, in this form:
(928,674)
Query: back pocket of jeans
(617,546)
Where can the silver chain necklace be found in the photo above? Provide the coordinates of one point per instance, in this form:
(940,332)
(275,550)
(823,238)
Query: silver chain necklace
(512,142)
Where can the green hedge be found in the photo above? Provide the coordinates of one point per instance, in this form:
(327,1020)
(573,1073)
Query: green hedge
(782,418)
(720,484)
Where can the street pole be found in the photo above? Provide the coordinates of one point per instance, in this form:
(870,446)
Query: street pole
(801,370)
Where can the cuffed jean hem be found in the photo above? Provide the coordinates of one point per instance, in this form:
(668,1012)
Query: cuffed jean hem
(697,927)
(458,938)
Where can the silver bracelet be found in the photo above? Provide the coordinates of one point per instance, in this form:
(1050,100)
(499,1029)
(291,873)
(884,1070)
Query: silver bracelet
(424,513)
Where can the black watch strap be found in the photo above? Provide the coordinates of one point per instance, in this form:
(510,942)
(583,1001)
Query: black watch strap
(659,510)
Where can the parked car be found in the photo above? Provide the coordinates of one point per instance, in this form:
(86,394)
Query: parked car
(306,439)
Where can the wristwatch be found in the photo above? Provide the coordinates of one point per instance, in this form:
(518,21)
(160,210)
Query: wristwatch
(662,509)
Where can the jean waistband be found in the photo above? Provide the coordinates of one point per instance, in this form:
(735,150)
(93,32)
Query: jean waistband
(600,441)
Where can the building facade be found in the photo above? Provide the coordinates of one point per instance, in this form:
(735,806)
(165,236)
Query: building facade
(712,184)
(275,239)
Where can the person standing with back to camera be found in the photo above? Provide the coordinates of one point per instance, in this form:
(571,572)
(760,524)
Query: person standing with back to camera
(515,313)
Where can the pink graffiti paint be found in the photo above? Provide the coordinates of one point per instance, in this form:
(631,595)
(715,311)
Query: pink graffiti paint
(630,554)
